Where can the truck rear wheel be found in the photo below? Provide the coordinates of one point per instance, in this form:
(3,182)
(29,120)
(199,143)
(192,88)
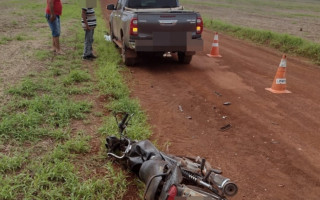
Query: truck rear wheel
(183,58)
(128,56)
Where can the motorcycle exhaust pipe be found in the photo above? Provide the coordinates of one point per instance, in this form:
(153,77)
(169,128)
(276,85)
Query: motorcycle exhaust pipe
(228,188)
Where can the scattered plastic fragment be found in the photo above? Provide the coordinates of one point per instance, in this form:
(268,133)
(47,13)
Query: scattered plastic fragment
(217,93)
(226,127)
(227,103)
(107,38)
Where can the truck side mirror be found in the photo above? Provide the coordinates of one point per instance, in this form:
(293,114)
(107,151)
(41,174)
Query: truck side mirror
(110,7)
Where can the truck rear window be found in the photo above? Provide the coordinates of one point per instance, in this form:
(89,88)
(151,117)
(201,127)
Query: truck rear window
(152,3)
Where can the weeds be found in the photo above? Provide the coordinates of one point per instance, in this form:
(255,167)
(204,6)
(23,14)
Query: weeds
(5,40)
(41,108)
(112,84)
(78,145)
(8,163)
(42,54)
(76,76)
(27,88)
(284,42)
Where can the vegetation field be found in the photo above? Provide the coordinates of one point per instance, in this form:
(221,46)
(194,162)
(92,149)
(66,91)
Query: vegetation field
(290,26)
(56,110)
(299,17)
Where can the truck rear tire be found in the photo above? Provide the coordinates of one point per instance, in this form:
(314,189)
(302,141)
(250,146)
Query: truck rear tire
(183,58)
(128,56)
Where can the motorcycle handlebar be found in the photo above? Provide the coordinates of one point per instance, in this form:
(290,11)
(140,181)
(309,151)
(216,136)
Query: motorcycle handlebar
(122,124)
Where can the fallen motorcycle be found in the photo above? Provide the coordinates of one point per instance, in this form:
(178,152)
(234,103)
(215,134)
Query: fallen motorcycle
(168,177)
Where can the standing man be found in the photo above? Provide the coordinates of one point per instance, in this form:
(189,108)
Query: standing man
(89,22)
(53,13)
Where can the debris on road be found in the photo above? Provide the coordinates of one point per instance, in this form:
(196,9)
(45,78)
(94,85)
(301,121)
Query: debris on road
(217,93)
(107,38)
(180,108)
(189,117)
(224,117)
(227,103)
(226,127)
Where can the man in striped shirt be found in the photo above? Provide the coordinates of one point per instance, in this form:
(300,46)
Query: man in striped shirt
(89,22)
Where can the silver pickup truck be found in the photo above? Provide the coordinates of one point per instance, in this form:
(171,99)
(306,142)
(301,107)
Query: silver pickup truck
(157,26)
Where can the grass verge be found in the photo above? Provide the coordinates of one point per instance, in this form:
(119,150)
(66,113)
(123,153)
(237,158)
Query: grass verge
(112,84)
(283,42)
(41,155)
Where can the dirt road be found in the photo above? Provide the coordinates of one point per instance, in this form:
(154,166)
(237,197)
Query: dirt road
(272,148)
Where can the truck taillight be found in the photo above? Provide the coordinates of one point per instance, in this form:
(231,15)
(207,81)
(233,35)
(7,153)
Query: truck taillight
(172,193)
(134,26)
(199,25)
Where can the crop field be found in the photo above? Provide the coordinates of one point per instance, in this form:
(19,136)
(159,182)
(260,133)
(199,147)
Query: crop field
(296,17)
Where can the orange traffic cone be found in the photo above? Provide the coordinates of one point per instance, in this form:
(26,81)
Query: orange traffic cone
(280,82)
(215,47)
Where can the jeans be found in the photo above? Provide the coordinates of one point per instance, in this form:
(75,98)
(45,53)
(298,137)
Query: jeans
(88,41)
(54,26)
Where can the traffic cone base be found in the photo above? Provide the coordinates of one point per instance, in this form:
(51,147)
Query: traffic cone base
(277,91)
(214,56)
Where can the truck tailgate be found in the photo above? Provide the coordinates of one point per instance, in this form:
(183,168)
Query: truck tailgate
(166,22)
(167,31)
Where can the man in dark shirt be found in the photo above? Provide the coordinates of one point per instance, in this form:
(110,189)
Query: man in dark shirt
(53,13)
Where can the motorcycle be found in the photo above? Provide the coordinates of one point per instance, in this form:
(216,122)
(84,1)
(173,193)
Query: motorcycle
(168,177)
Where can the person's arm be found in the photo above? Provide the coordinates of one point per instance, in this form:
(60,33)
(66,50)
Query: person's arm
(84,17)
(51,7)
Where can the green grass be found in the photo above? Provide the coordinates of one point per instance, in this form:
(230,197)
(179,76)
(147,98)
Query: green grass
(48,158)
(11,163)
(76,76)
(202,3)
(54,176)
(112,85)
(14,23)
(5,40)
(283,42)
(283,5)
(42,54)
(30,119)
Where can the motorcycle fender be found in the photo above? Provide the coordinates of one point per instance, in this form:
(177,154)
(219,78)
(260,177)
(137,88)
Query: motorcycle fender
(148,170)
(174,178)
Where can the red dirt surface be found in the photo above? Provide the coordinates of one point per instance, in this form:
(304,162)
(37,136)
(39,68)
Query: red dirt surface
(272,148)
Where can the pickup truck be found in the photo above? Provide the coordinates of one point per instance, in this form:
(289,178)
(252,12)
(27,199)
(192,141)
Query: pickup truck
(155,26)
